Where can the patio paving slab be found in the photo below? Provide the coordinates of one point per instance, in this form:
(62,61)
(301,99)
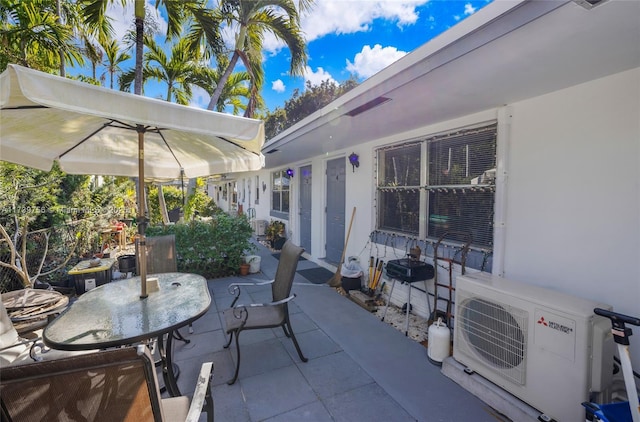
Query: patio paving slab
(275,392)
(334,374)
(359,368)
(314,412)
(367,403)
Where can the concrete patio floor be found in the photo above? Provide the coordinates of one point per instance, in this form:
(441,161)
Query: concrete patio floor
(359,368)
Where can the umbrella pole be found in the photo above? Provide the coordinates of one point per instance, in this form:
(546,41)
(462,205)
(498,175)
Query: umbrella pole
(142,222)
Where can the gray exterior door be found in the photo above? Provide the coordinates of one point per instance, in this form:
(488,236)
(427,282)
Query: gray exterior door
(336,171)
(305,208)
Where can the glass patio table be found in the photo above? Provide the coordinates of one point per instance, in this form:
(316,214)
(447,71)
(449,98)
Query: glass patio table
(114,315)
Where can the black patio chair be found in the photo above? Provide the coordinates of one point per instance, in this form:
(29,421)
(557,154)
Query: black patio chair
(161,254)
(161,258)
(265,315)
(112,385)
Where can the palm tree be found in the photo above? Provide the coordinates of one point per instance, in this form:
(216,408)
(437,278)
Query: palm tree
(114,57)
(32,35)
(70,14)
(236,92)
(177,70)
(252,19)
(95,54)
(203,25)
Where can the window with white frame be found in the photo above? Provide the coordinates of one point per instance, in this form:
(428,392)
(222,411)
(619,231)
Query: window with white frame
(280,192)
(441,184)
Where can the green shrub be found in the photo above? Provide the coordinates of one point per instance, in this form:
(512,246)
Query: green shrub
(211,248)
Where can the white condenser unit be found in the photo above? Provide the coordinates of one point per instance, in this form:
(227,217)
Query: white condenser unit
(544,347)
(259,227)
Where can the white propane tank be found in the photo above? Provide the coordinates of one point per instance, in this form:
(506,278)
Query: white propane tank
(439,342)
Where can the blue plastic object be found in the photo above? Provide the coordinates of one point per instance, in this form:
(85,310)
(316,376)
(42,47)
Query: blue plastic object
(611,412)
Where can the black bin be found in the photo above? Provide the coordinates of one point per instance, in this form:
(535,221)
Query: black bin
(89,280)
(351,283)
(127,263)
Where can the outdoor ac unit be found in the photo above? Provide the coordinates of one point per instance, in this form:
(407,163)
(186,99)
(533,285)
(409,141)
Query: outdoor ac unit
(542,346)
(259,227)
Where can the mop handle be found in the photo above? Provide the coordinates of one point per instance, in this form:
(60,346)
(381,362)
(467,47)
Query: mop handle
(621,336)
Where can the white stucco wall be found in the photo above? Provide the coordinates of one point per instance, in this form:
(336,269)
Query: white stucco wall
(571,203)
(573,198)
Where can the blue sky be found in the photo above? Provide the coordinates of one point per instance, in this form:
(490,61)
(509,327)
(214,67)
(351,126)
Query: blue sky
(344,37)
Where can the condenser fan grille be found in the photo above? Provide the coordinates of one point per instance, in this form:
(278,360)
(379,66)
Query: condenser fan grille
(495,334)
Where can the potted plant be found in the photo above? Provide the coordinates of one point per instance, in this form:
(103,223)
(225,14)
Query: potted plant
(244,268)
(275,234)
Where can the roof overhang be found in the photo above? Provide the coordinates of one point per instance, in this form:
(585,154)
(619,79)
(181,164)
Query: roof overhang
(506,52)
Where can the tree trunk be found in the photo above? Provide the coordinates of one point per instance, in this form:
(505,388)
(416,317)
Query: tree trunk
(63,71)
(137,87)
(223,80)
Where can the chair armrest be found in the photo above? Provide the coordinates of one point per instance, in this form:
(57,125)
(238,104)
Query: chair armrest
(234,288)
(34,342)
(240,311)
(253,283)
(20,342)
(202,400)
(276,303)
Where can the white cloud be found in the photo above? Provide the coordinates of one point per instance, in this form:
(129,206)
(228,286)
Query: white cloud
(469,9)
(278,85)
(345,17)
(200,98)
(122,18)
(349,16)
(318,76)
(371,60)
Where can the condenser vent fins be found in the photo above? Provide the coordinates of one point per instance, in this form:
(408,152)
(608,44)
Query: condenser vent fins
(496,336)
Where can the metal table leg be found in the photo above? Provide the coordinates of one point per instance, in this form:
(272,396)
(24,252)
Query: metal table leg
(168,367)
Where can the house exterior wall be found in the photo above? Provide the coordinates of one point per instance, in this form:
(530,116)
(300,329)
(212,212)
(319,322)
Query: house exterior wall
(567,212)
(573,196)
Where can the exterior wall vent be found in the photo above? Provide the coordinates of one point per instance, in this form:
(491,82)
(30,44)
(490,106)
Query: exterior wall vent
(589,4)
(367,106)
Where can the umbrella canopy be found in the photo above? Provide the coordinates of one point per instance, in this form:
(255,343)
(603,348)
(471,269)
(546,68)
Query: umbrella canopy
(94,130)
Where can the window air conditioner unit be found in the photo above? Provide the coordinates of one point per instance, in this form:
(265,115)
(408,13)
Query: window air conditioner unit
(544,347)
(259,227)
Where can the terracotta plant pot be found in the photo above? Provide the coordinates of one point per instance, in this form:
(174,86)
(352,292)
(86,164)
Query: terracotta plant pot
(244,269)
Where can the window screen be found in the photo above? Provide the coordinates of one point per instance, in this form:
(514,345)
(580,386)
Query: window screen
(448,180)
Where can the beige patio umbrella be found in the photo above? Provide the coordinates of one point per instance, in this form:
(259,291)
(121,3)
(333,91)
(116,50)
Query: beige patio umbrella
(93,130)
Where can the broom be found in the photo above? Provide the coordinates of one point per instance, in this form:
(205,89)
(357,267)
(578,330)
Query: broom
(336,280)
(371,267)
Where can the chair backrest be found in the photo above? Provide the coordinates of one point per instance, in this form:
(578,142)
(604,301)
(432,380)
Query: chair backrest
(287,265)
(113,385)
(161,254)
